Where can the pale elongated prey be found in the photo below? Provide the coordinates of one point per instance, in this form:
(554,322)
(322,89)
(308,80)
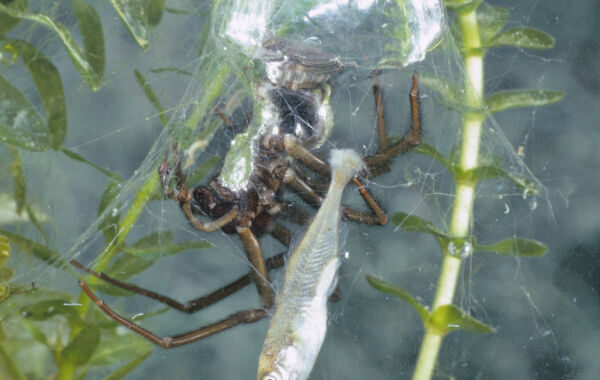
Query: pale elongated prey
(298,326)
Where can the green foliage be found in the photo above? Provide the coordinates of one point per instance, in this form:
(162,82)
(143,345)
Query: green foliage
(139,16)
(473,39)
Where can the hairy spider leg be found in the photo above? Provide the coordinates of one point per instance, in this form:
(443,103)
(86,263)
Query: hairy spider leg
(246,316)
(374,163)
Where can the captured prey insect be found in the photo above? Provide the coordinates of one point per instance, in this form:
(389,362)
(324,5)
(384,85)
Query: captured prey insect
(293,118)
(298,326)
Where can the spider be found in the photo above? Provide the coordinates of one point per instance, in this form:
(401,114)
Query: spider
(295,93)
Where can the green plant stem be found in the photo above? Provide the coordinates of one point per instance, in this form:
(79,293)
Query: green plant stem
(462,209)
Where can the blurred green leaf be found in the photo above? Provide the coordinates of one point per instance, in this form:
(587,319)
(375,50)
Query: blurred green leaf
(527,38)
(79,158)
(487,172)
(155,11)
(7,363)
(4,292)
(82,347)
(42,310)
(490,20)
(127,265)
(6,274)
(92,34)
(203,170)
(35,332)
(430,151)
(20,190)
(49,256)
(162,250)
(448,318)
(127,368)
(515,247)
(175,70)
(49,87)
(154,239)
(152,97)
(119,348)
(396,291)
(20,124)
(461,5)
(7,22)
(109,224)
(414,223)
(139,16)
(4,250)
(86,69)
(447,93)
(504,100)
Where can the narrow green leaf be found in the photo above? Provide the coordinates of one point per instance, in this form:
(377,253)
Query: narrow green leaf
(49,86)
(166,249)
(127,265)
(20,123)
(7,22)
(82,347)
(430,151)
(414,223)
(396,291)
(92,34)
(4,250)
(175,70)
(155,11)
(35,332)
(79,158)
(515,247)
(6,362)
(42,310)
(85,69)
(49,256)
(504,100)
(33,214)
(119,348)
(487,172)
(127,368)
(134,14)
(154,239)
(490,20)
(461,5)
(20,190)
(4,292)
(448,318)
(152,97)
(6,274)
(109,225)
(527,38)
(203,170)
(447,93)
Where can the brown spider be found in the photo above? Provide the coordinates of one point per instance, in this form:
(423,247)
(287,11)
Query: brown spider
(295,92)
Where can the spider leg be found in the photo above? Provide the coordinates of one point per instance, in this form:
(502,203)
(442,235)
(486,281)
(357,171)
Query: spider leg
(259,268)
(378,163)
(181,194)
(312,198)
(378,96)
(246,316)
(190,306)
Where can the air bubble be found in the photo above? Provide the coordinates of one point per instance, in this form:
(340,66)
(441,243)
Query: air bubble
(466,250)
(533,204)
(114,212)
(451,248)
